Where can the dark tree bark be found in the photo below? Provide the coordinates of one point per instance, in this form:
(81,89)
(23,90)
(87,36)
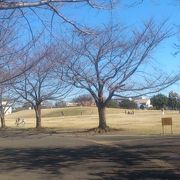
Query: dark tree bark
(102,117)
(38,115)
(3,124)
(2,110)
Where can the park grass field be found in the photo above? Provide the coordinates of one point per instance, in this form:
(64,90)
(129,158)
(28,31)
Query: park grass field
(83,118)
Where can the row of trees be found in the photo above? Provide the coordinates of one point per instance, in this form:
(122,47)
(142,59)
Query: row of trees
(106,66)
(159,101)
(31,75)
(106,63)
(172,101)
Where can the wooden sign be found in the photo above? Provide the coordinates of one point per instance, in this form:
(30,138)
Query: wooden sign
(167,121)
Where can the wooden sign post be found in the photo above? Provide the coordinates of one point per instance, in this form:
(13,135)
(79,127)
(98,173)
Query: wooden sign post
(167,121)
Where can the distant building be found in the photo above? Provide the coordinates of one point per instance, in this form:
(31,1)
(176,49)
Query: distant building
(146,103)
(46,105)
(142,101)
(71,104)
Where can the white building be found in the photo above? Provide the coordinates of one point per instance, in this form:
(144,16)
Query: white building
(7,107)
(71,104)
(143,102)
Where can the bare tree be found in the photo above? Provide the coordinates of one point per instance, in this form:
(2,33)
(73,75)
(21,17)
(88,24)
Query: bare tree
(112,64)
(11,11)
(53,6)
(84,100)
(12,52)
(11,4)
(11,66)
(7,100)
(40,84)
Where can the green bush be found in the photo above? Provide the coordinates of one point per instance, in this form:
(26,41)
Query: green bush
(159,101)
(112,104)
(128,104)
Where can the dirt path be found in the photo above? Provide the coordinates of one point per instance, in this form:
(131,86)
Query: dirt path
(57,156)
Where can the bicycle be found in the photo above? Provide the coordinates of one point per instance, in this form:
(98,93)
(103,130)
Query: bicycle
(20,122)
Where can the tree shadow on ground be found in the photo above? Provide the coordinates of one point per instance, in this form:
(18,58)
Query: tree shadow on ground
(19,132)
(98,162)
(28,132)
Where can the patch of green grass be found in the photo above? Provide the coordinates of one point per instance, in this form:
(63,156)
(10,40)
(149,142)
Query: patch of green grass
(69,112)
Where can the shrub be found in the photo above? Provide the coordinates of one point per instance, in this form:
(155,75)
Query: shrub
(128,104)
(112,104)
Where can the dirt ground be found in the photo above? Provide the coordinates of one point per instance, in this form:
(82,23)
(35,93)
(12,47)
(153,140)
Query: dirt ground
(142,122)
(48,156)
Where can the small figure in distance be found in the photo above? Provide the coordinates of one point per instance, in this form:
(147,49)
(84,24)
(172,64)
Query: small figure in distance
(19,122)
(162,110)
(62,113)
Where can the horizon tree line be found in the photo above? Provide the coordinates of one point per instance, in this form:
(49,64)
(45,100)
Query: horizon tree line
(172,101)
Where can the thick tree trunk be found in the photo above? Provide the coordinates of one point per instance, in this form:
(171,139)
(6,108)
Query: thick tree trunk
(3,125)
(102,117)
(38,116)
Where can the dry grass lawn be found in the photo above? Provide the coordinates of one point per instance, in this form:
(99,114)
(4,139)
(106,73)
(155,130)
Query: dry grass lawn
(142,122)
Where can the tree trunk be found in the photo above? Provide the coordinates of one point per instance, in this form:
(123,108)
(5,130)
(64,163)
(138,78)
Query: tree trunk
(38,116)
(3,125)
(102,117)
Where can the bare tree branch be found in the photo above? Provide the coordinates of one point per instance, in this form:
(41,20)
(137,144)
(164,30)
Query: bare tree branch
(53,5)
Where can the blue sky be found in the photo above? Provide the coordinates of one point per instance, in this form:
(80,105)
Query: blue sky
(135,16)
